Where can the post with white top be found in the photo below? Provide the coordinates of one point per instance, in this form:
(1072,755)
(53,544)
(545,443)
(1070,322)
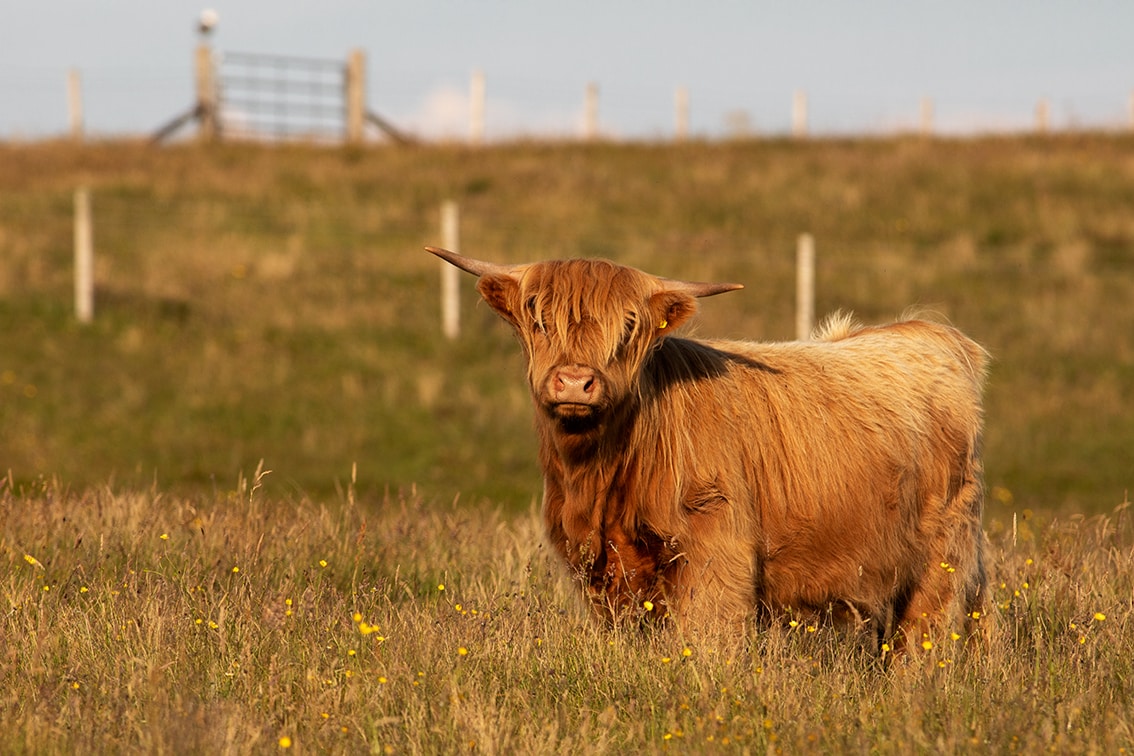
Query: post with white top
(804,286)
(450,276)
(207,110)
(84,257)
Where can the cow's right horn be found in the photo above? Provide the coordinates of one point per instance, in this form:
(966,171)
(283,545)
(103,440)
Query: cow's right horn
(468,264)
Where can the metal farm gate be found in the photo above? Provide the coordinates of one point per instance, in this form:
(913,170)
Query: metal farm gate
(280,98)
(276,97)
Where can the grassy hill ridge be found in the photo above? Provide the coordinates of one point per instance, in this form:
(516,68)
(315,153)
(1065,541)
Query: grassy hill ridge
(274,302)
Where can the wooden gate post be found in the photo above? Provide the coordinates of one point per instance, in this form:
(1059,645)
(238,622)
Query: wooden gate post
(207,101)
(354,86)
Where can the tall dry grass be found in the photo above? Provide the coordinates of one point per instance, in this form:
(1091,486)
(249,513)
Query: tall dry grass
(144,621)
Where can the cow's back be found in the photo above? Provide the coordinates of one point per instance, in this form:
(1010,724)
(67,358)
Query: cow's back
(859,443)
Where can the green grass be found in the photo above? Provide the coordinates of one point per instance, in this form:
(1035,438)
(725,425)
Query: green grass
(274,302)
(145,621)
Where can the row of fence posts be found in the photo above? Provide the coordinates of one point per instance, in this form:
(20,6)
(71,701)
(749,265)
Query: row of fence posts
(800,128)
(450,276)
(357,113)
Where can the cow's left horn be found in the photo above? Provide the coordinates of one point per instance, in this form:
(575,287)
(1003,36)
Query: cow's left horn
(699,289)
(468,264)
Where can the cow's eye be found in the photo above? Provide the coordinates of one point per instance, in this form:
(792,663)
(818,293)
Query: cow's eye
(629,323)
(533,316)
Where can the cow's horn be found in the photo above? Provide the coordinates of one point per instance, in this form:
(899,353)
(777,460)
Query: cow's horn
(469,265)
(698,289)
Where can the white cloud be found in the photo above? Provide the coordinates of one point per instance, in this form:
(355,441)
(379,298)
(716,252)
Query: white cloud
(445,113)
(442,114)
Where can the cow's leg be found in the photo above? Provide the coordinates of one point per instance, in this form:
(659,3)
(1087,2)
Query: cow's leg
(712,592)
(950,592)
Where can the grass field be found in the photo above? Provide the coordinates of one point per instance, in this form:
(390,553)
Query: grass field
(163,592)
(145,622)
(274,303)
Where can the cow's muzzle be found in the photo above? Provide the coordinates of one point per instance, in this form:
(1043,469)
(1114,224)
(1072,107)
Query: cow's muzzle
(574,390)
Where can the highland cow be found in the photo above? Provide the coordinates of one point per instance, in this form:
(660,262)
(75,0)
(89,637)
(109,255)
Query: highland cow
(706,482)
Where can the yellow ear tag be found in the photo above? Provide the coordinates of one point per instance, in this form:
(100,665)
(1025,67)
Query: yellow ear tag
(663,324)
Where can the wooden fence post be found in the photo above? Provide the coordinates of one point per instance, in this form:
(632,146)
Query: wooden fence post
(804,286)
(476,108)
(354,88)
(84,257)
(799,114)
(206,73)
(926,117)
(450,276)
(75,104)
(1043,116)
(590,112)
(681,106)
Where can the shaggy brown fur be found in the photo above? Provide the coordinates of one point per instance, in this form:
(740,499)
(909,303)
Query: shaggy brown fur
(720,479)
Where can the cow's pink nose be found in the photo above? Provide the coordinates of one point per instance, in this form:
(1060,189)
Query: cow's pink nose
(575,385)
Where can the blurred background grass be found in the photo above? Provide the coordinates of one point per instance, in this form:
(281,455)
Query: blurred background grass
(274,302)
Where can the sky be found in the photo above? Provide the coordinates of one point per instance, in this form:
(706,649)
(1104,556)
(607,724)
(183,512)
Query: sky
(865,65)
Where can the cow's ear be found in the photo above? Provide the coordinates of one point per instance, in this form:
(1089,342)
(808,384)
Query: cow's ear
(670,309)
(501,292)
